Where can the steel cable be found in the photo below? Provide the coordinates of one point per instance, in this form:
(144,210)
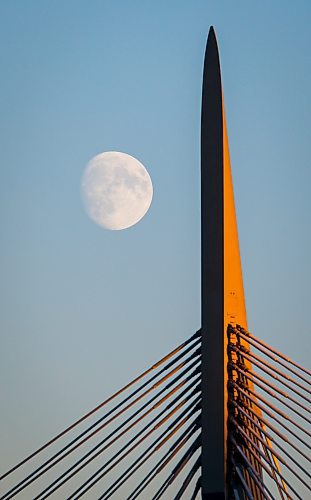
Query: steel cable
(262,386)
(254,445)
(267,353)
(100,473)
(197,488)
(62,478)
(277,455)
(242,480)
(263,465)
(256,477)
(167,457)
(255,360)
(255,402)
(30,478)
(188,478)
(179,467)
(274,429)
(128,473)
(101,405)
(272,439)
(271,406)
(250,373)
(261,342)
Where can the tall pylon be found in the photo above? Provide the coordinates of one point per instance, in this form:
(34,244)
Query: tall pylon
(222,293)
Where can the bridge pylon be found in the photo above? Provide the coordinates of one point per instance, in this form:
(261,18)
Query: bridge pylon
(222,293)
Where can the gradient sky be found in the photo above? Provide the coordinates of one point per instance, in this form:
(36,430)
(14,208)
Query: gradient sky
(83,310)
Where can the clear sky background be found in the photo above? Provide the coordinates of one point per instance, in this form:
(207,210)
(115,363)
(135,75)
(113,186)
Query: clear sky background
(83,310)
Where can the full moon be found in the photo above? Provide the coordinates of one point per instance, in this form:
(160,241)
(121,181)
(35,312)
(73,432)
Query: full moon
(116,190)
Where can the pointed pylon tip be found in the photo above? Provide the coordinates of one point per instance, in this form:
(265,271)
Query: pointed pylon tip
(212,33)
(211,43)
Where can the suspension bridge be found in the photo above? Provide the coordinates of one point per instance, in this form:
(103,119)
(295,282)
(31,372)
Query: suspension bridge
(222,416)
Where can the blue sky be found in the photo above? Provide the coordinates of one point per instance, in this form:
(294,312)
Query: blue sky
(83,309)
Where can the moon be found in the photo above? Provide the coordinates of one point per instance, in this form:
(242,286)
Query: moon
(116,190)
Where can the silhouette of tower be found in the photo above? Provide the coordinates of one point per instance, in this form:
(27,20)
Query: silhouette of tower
(222,294)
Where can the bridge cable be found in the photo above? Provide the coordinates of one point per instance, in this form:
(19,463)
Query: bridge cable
(253,444)
(267,367)
(123,432)
(252,376)
(167,457)
(262,343)
(267,352)
(272,407)
(177,469)
(257,478)
(195,336)
(272,439)
(192,407)
(265,410)
(188,478)
(30,478)
(175,427)
(277,455)
(250,373)
(263,465)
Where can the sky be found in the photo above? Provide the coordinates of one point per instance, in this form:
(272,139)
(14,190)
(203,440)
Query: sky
(83,309)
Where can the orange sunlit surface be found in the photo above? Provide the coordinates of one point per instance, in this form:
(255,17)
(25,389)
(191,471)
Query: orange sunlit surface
(234,302)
